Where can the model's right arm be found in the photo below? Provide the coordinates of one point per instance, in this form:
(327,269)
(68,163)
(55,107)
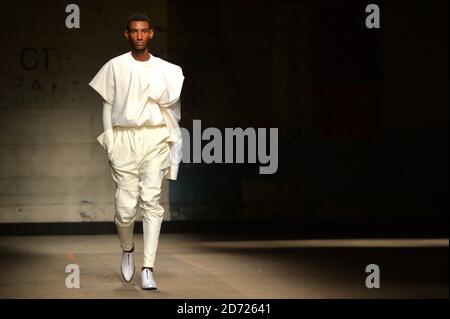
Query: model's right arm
(107,115)
(106,139)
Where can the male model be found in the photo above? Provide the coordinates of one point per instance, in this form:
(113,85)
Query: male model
(141,111)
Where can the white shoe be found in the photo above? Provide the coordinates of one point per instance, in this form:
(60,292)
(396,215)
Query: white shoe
(127,265)
(148,283)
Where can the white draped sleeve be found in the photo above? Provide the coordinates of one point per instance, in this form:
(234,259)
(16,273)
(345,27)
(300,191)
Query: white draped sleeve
(174,78)
(104,83)
(165,85)
(164,88)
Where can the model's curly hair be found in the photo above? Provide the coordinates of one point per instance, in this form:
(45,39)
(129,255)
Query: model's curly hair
(138,17)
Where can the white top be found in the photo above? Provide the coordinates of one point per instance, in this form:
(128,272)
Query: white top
(143,93)
(121,82)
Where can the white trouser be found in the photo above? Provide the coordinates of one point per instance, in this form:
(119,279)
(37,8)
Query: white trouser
(139,160)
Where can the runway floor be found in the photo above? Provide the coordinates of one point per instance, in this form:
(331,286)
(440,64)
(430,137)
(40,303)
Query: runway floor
(226,266)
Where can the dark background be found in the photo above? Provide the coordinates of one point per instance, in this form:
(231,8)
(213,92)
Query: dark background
(362,113)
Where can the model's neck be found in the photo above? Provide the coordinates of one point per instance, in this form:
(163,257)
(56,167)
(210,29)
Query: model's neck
(143,55)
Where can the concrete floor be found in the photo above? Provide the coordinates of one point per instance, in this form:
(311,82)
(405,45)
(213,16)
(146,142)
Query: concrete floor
(226,266)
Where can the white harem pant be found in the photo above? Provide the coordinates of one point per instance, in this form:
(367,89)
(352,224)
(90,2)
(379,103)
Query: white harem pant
(139,160)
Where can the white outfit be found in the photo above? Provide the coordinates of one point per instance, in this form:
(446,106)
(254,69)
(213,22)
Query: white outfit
(139,161)
(143,93)
(141,110)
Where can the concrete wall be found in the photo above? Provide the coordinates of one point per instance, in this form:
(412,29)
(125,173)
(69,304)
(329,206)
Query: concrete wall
(51,166)
(362,114)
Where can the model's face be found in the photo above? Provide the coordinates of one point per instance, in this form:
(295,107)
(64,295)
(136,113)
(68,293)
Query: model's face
(139,34)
